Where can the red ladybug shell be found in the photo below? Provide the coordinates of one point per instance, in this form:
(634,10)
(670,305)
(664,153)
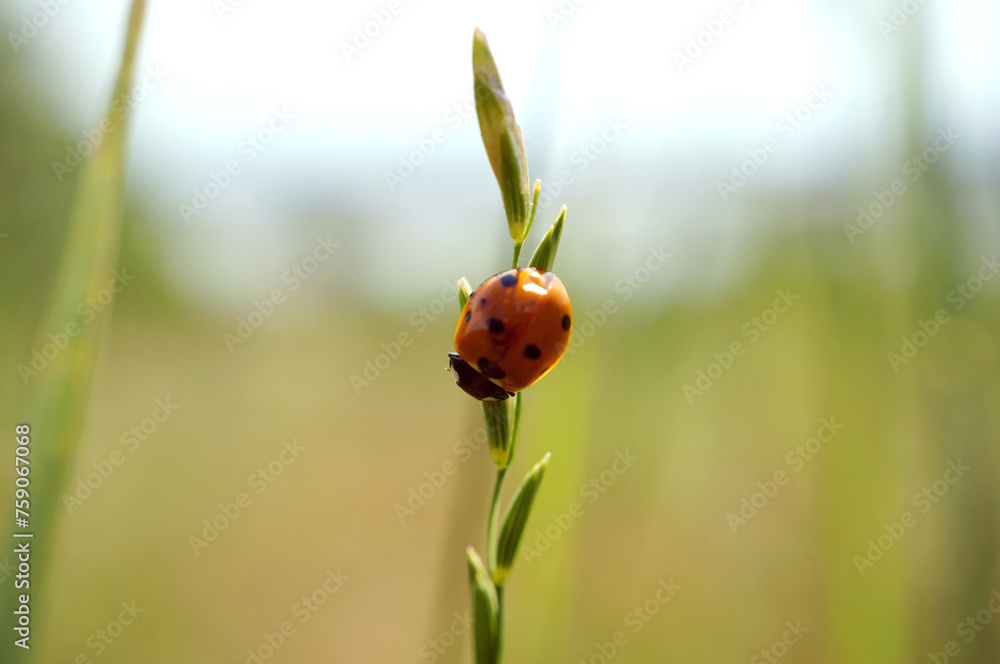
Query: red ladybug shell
(515,327)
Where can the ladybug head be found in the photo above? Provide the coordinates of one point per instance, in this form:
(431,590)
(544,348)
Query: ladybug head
(474,383)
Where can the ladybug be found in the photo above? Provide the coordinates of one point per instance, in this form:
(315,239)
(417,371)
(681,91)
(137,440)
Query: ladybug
(512,331)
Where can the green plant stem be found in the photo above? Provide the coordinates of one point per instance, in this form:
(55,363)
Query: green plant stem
(491,548)
(499,623)
(494,521)
(517,424)
(494,518)
(491,527)
(495,503)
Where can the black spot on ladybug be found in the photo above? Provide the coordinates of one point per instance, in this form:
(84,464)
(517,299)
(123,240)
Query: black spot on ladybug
(496,325)
(482,301)
(509,279)
(490,369)
(468,315)
(566,322)
(532,352)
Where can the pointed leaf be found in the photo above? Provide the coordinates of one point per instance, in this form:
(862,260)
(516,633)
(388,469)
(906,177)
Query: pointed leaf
(516,521)
(545,255)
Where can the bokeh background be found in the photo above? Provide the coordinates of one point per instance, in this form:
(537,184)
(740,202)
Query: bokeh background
(637,116)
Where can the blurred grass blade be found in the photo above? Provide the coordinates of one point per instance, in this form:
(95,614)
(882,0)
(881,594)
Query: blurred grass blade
(58,396)
(90,255)
(485,611)
(545,255)
(516,520)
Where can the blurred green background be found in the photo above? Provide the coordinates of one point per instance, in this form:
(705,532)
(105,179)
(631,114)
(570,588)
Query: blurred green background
(775,546)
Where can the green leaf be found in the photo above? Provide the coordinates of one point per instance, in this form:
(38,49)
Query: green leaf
(485,611)
(464,289)
(536,192)
(545,255)
(531,219)
(501,137)
(516,520)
